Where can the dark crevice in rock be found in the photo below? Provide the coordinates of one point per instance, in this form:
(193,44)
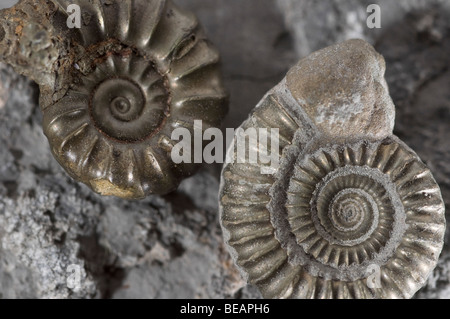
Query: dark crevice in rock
(284,42)
(11,188)
(100,264)
(2,33)
(180,202)
(173,244)
(42,172)
(274,78)
(239,294)
(51,216)
(176,248)
(17,153)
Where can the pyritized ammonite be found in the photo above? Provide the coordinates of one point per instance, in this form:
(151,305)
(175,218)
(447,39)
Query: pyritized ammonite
(113,90)
(350,211)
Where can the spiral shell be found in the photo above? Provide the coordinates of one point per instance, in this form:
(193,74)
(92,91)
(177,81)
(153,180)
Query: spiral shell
(135,71)
(349,200)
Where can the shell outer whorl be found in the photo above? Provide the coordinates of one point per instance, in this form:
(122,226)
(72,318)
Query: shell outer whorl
(346,251)
(337,207)
(141,69)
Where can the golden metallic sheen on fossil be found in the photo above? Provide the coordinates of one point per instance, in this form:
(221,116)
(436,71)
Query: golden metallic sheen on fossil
(351,211)
(113,91)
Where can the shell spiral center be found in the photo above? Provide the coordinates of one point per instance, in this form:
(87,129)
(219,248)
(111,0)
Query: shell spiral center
(349,209)
(122,98)
(132,105)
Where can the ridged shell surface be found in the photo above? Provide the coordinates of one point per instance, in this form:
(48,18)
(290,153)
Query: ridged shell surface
(350,211)
(145,69)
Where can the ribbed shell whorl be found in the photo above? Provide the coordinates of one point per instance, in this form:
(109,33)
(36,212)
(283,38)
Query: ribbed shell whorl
(351,211)
(144,69)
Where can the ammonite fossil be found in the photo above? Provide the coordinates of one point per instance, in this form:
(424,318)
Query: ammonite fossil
(113,90)
(350,211)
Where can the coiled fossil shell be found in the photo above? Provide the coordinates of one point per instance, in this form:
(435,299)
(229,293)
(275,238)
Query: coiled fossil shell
(348,197)
(135,71)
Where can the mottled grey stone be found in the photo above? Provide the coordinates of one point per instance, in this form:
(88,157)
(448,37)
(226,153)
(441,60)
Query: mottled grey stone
(343,90)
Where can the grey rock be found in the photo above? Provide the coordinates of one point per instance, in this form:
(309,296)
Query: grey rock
(315,25)
(41,248)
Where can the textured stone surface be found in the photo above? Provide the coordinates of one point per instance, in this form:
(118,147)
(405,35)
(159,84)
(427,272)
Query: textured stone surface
(315,24)
(343,90)
(46,215)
